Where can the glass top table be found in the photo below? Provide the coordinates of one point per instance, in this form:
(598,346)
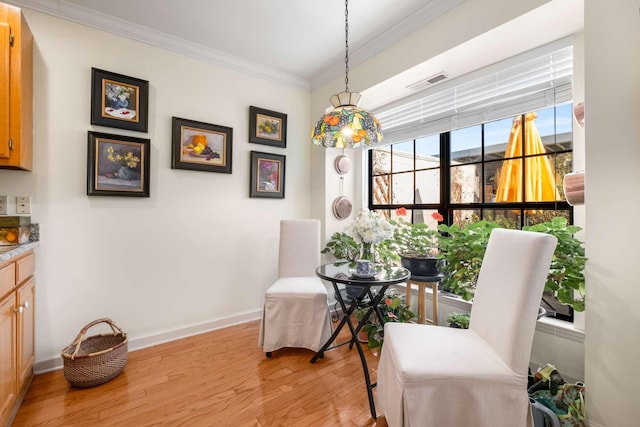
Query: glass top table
(343,273)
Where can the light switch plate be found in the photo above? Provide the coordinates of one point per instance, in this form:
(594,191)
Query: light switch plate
(3,205)
(23,205)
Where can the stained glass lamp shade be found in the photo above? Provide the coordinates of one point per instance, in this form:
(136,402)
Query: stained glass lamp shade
(346,126)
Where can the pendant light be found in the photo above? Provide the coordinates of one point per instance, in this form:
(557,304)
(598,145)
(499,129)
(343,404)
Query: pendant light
(346,126)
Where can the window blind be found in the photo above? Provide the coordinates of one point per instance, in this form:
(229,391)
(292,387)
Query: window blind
(530,81)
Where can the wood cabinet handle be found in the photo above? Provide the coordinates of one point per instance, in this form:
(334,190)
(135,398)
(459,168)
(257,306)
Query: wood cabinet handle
(19,309)
(26,304)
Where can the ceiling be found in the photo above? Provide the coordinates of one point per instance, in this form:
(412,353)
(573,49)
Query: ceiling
(299,40)
(302,42)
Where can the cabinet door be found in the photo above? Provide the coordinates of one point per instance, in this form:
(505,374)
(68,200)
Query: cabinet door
(25,347)
(5,32)
(8,388)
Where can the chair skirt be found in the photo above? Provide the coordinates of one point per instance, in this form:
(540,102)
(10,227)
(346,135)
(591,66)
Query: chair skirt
(437,376)
(296,314)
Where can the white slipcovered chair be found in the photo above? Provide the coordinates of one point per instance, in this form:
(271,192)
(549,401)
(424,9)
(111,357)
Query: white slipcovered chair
(296,310)
(439,376)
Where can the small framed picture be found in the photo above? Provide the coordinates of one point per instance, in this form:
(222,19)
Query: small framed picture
(119,101)
(267,175)
(117,165)
(201,146)
(267,127)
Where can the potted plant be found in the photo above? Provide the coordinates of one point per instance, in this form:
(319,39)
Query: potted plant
(363,334)
(566,275)
(393,309)
(462,250)
(458,320)
(417,245)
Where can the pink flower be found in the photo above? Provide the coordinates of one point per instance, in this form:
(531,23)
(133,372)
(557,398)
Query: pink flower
(401,212)
(436,215)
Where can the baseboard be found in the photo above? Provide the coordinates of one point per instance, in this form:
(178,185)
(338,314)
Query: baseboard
(54,363)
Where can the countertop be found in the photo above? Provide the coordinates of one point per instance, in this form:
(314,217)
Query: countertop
(8,252)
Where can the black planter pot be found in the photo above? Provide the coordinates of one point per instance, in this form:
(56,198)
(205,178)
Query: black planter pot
(421,266)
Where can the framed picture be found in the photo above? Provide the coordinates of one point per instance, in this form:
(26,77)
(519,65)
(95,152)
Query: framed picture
(117,165)
(201,146)
(267,127)
(119,101)
(267,175)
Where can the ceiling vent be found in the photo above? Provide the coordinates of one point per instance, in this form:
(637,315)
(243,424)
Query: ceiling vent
(419,85)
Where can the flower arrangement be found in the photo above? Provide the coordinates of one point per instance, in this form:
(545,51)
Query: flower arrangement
(269,127)
(118,95)
(122,157)
(368,236)
(416,240)
(369,227)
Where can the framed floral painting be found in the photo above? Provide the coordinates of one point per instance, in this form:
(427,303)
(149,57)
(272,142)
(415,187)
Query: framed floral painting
(201,146)
(117,165)
(267,175)
(119,101)
(267,127)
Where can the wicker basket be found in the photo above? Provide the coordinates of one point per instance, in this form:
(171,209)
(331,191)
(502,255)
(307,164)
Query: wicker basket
(92,361)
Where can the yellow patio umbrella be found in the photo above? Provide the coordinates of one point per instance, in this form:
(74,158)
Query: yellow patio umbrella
(539,180)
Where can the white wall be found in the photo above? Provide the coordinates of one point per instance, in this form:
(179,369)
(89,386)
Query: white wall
(612,197)
(199,252)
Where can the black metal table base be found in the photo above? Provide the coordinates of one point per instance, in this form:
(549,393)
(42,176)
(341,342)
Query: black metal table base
(373,304)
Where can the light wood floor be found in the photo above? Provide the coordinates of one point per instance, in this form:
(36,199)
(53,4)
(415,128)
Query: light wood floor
(220,378)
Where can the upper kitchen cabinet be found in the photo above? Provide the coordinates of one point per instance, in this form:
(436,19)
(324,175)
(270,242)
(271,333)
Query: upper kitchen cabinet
(16,90)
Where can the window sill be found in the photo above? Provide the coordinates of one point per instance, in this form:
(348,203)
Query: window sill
(560,328)
(547,325)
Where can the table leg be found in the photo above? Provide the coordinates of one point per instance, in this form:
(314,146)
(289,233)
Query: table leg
(346,318)
(374,301)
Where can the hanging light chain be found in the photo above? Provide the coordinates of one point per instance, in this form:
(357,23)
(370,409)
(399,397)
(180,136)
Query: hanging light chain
(346,45)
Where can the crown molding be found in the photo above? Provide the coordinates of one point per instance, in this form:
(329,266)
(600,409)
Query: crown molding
(63,9)
(428,12)
(72,12)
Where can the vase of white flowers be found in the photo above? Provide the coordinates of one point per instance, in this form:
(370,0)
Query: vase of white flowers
(368,236)
(368,228)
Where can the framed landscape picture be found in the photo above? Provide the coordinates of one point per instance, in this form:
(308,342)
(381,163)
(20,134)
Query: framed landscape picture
(267,175)
(117,165)
(201,146)
(267,127)
(119,101)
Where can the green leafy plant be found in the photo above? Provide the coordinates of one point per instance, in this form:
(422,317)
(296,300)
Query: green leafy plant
(462,249)
(415,240)
(459,320)
(342,247)
(393,309)
(566,275)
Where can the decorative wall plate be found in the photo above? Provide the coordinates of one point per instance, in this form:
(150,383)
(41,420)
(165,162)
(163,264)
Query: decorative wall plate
(342,164)
(342,207)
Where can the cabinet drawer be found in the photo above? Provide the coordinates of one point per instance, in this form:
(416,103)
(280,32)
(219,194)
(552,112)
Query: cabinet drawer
(25,267)
(7,279)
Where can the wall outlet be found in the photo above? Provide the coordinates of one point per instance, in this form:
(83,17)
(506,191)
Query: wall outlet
(23,205)
(3,205)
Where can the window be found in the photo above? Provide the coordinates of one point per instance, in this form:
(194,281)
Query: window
(508,170)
